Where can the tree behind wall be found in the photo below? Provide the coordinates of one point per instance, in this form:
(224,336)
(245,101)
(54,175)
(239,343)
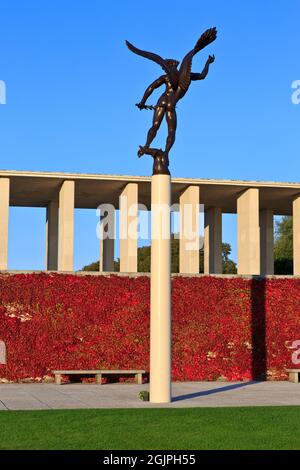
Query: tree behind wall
(144,259)
(283,246)
(283,253)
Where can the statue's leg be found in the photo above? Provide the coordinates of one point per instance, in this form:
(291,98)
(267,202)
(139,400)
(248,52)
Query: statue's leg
(172,126)
(157,119)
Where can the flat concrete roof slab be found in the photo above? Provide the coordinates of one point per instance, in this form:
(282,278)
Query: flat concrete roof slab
(36,189)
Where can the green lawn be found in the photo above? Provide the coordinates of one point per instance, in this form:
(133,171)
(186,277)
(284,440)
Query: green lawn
(192,428)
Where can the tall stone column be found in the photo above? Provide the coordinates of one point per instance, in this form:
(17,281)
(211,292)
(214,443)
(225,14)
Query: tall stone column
(189,243)
(4,216)
(248,232)
(52,236)
(213,241)
(160,318)
(296,235)
(66,226)
(266,242)
(107,241)
(128,228)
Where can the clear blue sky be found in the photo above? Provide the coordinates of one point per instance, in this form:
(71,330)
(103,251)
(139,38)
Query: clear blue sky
(72,84)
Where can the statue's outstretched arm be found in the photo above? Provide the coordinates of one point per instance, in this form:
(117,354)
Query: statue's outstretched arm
(156,84)
(203,74)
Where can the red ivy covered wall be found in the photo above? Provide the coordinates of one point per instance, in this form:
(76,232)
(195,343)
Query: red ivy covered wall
(222,327)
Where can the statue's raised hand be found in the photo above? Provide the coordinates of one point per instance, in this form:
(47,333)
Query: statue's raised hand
(211,59)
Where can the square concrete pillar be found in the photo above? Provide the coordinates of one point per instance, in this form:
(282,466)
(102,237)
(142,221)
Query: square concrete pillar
(66,226)
(189,241)
(213,241)
(248,232)
(296,235)
(129,228)
(52,236)
(266,242)
(4,216)
(107,241)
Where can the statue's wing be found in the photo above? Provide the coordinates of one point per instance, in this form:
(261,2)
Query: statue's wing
(156,58)
(207,38)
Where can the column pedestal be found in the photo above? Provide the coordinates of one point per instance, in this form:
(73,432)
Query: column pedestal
(160,321)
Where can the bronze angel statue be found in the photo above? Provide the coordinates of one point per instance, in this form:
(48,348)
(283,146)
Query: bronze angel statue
(177,82)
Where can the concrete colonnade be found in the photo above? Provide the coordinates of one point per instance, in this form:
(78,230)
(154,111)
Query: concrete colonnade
(52,236)
(189,242)
(255,230)
(213,241)
(107,242)
(248,232)
(60,229)
(296,235)
(266,222)
(128,228)
(4,216)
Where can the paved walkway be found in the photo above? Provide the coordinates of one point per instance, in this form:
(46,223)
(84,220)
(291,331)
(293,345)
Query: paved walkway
(188,394)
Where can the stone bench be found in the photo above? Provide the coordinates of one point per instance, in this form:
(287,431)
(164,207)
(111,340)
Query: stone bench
(293,375)
(98,374)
